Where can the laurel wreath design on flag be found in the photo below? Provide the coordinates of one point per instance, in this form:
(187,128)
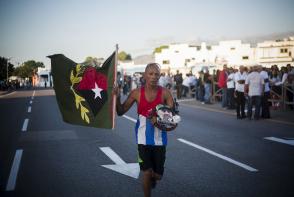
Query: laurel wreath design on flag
(78,99)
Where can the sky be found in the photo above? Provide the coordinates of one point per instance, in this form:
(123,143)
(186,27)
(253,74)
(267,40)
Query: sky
(34,29)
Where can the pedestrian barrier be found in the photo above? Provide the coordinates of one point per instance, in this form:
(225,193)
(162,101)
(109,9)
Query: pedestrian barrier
(287,93)
(216,92)
(278,96)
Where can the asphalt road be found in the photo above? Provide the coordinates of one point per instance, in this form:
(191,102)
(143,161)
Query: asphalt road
(209,154)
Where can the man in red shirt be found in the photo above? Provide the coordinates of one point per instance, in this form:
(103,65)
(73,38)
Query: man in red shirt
(222,83)
(151,140)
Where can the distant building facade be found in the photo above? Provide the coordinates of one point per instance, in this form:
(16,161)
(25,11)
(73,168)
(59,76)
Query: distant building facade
(43,78)
(233,52)
(279,52)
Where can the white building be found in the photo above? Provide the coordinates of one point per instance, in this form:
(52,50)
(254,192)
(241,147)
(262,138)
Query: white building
(279,52)
(184,56)
(233,53)
(44,77)
(137,65)
(129,68)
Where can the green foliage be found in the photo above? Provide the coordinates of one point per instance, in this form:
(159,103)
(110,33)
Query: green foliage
(159,49)
(3,68)
(93,61)
(28,69)
(122,56)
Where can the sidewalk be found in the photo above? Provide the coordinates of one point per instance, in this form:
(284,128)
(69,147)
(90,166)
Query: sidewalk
(5,92)
(279,115)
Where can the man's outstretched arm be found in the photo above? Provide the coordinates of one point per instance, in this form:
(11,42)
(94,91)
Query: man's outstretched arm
(123,108)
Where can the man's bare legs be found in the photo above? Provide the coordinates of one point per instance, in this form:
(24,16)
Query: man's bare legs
(148,175)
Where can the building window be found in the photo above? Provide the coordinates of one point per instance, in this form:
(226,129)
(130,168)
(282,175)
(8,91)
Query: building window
(176,51)
(283,50)
(245,58)
(193,58)
(198,48)
(208,48)
(233,48)
(165,62)
(187,60)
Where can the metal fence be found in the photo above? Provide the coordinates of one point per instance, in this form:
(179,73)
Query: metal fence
(279,94)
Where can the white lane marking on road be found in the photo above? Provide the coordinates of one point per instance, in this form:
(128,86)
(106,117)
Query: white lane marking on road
(219,155)
(25,125)
(129,169)
(130,118)
(14,171)
(31,102)
(34,93)
(29,109)
(112,155)
(289,142)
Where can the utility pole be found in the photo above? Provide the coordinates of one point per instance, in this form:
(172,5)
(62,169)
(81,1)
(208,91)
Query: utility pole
(7,69)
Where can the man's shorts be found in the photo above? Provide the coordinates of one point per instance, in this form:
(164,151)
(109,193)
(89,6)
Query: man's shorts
(152,157)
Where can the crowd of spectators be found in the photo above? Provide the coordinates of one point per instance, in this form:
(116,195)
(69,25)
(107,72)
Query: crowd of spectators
(240,89)
(256,86)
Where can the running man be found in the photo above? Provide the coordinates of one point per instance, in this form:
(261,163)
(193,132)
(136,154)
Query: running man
(151,141)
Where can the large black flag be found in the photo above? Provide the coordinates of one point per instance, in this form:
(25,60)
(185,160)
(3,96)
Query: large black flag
(84,92)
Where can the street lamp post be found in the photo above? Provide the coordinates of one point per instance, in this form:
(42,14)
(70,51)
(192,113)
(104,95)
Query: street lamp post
(7,72)
(7,69)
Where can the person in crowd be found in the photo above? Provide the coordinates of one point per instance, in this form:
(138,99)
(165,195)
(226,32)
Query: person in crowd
(178,78)
(240,78)
(274,77)
(265,112)
(231,88)
(254,87)
(222,83)
(193,83)
(162,80)
(207,87)
(126,85)
(169,81)
(290,86)
(186,85)
(200,87)
(284,74)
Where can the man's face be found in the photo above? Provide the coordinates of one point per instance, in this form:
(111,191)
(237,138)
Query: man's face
(152,75)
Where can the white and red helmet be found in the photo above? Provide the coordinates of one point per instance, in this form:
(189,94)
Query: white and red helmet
(164,118)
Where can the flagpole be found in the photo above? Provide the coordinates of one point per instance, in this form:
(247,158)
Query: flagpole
(114,85)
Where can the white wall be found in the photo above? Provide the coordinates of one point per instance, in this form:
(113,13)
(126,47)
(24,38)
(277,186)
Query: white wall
(270,52)
(232,52)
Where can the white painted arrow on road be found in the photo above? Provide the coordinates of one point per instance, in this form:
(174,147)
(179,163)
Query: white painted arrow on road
(129,169)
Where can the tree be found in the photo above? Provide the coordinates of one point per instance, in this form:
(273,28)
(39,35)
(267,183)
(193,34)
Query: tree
(159,49)
(93,61)
(28,69)
(122,56)
(3,68)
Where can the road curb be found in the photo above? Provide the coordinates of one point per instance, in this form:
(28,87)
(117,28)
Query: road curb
(4,93)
